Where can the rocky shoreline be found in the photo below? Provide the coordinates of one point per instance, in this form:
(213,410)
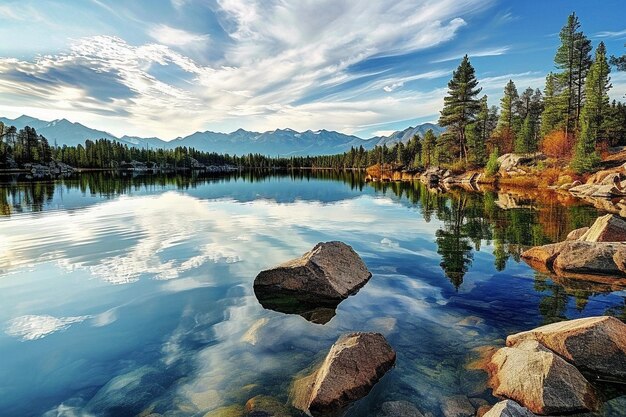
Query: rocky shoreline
(55,169)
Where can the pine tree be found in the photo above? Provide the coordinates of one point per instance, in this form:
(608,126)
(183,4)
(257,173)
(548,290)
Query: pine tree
(553,115)
(574,59)
(508,124)
(594,112)
(428,148)
(460,105)
(478,133)
(619,62)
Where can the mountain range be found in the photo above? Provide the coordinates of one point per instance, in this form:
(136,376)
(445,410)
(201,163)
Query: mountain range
(279,142)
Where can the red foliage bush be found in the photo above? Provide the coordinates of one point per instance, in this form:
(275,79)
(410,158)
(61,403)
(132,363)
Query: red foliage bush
(558,145)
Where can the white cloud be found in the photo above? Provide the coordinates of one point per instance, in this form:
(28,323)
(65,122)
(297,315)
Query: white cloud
(170,36)
(278,56)
(391,87)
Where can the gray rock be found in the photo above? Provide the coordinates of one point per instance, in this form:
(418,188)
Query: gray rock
(508,408)
(330,271)
(457,406)
(399,409)
(352,367)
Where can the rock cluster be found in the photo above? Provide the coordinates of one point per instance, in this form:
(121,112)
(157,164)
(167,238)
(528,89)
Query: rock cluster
(542,369)
(597,250)
(313,285)
(596,345)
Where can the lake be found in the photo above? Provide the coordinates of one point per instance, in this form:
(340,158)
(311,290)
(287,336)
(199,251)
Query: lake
(130,295)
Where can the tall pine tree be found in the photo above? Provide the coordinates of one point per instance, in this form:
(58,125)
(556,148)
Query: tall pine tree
(553,115)
(573,59)
(508,124)
(593,113)
(460,105)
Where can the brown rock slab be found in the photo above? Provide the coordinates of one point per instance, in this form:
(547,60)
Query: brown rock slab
(540,380)
(594,344)
(354,364)
(508,408)
(543,255)
(330,271)
(608,228)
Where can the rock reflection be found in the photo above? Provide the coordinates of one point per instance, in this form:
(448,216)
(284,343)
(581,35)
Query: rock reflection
(318,313)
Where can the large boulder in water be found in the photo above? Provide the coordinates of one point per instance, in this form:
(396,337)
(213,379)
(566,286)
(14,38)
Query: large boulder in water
(508,408)
(328,273)
(540,380)
(578,257)
(609,228)
(594,344)
(354,364)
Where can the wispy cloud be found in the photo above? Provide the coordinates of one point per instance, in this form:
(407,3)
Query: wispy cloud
(611,34)
(478,53)
(170,36)
(275,59)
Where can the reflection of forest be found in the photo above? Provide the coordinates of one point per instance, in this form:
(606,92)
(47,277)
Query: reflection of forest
(468,219)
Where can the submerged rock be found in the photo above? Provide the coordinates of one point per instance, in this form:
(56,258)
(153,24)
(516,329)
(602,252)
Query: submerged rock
(540,380)
(352,367)
(508,408)
(457,406)
(265,406)
(593,344)
(327,274)
(399,409)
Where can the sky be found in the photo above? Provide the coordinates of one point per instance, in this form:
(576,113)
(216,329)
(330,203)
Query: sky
(168,68)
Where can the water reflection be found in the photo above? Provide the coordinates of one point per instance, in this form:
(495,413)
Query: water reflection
(133,295)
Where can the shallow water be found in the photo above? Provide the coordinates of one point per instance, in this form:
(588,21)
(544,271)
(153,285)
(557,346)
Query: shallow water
(123,295)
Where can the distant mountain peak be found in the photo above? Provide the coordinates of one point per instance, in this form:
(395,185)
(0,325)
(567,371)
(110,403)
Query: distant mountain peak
(283,142)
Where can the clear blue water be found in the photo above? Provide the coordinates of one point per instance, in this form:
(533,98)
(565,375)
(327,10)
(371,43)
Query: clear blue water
(122,296)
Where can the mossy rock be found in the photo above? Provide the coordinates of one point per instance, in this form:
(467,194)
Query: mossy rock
(263,405)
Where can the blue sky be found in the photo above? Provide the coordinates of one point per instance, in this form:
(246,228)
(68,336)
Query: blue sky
(168,68)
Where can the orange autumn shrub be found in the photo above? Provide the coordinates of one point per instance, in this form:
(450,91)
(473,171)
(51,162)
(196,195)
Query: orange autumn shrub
(558,145)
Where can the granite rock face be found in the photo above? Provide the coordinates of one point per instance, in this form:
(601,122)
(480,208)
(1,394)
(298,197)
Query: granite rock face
(355,363)
(595,344)
(608,228)
(540,380)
